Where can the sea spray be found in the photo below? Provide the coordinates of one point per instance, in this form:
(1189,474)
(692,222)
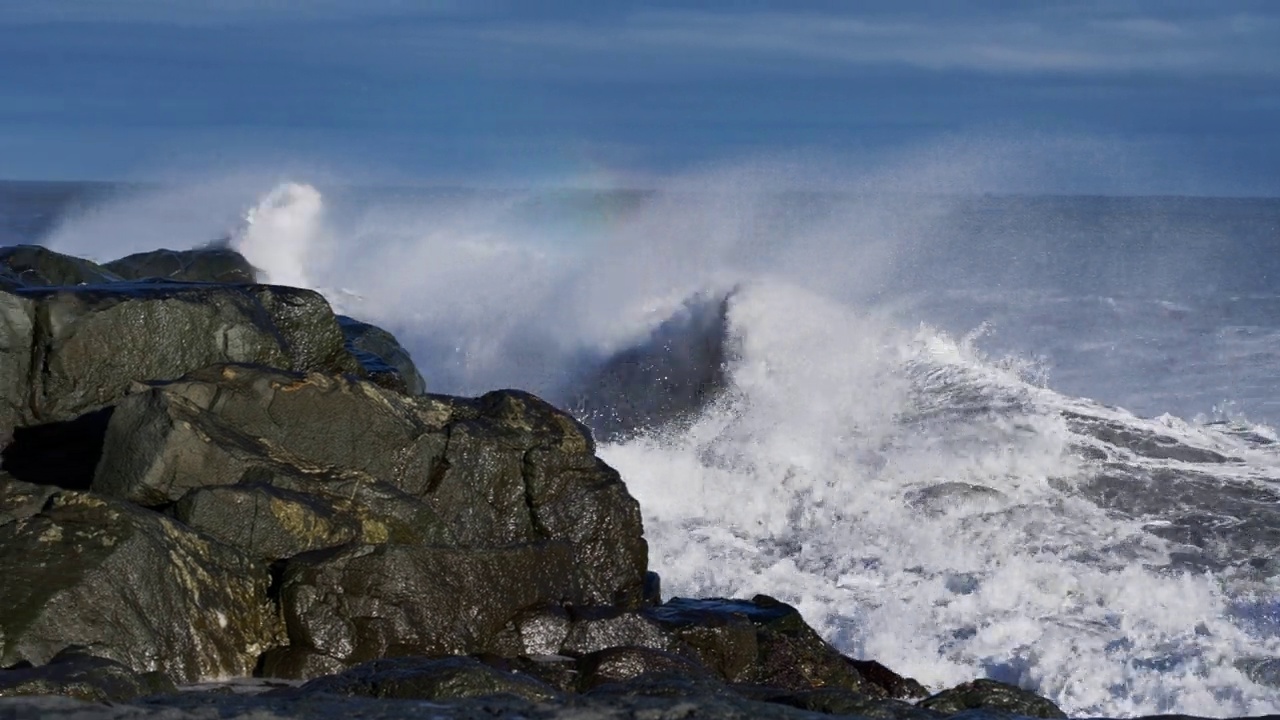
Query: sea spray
(924,505)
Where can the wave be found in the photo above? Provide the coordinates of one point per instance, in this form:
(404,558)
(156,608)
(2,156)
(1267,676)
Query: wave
(925,505)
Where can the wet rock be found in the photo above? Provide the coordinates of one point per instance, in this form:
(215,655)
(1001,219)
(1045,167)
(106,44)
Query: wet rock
(208,264)
(36,266)
(503,469)
(420,678)
(384,360)
(17,323)
(620,664)
(78,674)
(992,695)
(20,500)
(943,497)
(766,642)
(837,701)
(155,332)
(366,602)
(670,376)
(134,587)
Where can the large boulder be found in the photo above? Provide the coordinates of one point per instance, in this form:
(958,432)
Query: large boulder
(992,695)
(503,469)
(212,264)
(365,602)
(87,345)
(384,360)
(130,585)
(37,266)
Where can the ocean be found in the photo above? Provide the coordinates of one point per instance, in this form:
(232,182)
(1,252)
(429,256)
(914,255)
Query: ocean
(1022,437)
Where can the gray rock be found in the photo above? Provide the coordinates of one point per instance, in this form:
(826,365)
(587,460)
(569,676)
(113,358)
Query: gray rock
(207,264)
(992,695)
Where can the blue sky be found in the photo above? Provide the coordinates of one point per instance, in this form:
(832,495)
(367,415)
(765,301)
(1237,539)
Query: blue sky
(452,91)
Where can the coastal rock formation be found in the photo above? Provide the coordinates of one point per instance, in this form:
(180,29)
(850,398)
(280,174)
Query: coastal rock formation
(209,480)
(212,264)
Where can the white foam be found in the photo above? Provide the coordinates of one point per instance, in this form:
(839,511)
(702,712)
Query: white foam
(805,481)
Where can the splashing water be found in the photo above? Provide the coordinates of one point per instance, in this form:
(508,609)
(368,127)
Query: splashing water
(922,505)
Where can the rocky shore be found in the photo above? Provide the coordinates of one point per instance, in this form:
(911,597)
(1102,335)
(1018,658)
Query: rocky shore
(220,499)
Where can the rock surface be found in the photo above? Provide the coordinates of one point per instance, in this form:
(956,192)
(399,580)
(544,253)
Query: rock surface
(383,358)
(130,585)
(78,674)
(208,264)
(207,480)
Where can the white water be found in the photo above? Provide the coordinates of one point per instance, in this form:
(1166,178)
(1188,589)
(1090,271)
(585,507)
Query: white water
(805,481)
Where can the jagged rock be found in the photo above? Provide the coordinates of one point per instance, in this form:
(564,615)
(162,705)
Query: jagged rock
(758,642)
(384,360)
(87,345)
(20,500)
(78,674)
(670,376)
(366,602)
(992,695)
(208,264)
(423,678)
(499,470)
(838,701)
(36,266)
(133,586)
(620,664)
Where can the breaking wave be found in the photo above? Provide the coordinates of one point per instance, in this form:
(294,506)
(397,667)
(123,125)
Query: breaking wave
(941,511)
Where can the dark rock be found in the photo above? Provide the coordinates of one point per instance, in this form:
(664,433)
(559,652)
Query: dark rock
(384,360)
(992,695)
(759,642)
(672,375)
(1262,670)
(61,454)
(207,264)
(78,674)
(36,266)
(837,701)
(619,664)
(20,500)
(367,602)
(132,586)
(423,678)
(87,345)
(503,469)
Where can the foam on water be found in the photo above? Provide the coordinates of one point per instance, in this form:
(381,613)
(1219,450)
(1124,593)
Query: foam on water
(919,502)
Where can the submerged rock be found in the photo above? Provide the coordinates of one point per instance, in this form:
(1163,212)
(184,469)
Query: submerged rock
(132,586)
(384,360)
(210,264)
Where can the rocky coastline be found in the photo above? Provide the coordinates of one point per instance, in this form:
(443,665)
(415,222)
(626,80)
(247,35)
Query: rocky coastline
(218,498)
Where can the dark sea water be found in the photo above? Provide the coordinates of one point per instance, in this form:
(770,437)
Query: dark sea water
(1023,437)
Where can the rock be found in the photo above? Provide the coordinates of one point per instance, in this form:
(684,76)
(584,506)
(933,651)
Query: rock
(132,586)
(76,673)
(154,332)
(36,266)
(419,678)
(992,695)
(837,701)
(384,360)
(620,664)
(756,642)
(17,323)
(504,469)
(366,602)
(210,264)
(672,375)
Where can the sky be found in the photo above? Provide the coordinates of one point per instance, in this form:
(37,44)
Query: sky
(1169,95)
